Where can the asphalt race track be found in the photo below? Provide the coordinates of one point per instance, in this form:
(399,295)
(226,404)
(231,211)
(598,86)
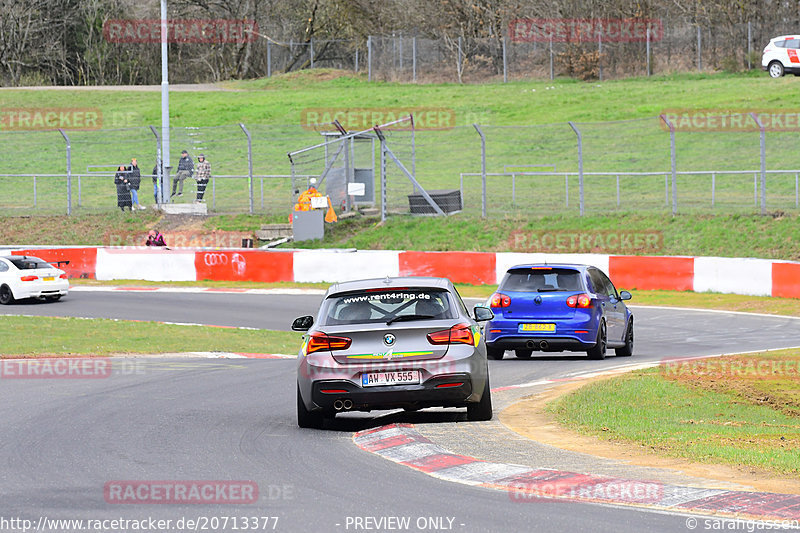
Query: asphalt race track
(65,441)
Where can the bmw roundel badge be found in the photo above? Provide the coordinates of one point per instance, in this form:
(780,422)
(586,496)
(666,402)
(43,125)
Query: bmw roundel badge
(388,339)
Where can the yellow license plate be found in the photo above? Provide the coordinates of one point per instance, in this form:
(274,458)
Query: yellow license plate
(537,327)
(50,278)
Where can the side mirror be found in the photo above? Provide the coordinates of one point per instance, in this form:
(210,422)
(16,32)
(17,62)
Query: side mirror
(482,314)
(303,323)
(625,295)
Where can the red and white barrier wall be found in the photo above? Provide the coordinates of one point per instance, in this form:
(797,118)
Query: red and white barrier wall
(756,277)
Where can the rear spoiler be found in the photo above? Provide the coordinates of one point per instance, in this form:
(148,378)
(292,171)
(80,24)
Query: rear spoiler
(59,263)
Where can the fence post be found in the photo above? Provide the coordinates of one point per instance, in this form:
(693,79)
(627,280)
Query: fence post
(69,171)
(34,191)
(483,169)
(672,164)
(580,163)
(159,195)
(505,62)
(383,179)
(369,57)
(647,40)
(749,48)
(355,62)
(414,58)
(269,59)
(713,187)
(311,51)
(796,190)
(551,56)
(699,50)
(763,142)
(617,190)
(249,164)
(458,61)
(600,55)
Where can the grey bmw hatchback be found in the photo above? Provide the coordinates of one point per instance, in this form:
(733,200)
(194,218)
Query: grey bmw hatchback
(390,343)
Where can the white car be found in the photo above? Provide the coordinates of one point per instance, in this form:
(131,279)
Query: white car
(782,55)
(23,276)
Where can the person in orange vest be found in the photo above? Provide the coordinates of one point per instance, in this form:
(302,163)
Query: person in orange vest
(304,202)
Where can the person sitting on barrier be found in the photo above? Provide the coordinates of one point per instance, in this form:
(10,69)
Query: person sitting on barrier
(304,202)
(154,238)
(185,170)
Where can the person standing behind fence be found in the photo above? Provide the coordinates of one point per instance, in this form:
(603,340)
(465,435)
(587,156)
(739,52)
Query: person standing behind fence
(203,175)
(185,170)
(135,178)
(123,188)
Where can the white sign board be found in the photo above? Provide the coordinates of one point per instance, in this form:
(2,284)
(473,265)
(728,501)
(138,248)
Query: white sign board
(356,189)
(319,202)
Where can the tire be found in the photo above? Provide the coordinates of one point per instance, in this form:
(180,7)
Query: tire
(481,411)
(305,418)
(598,351)
(523,354)
(775,69)
(54,298)
(627,350)
(495,353)
(6,296)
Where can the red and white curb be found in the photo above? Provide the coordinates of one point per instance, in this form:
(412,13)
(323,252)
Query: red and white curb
(403,444)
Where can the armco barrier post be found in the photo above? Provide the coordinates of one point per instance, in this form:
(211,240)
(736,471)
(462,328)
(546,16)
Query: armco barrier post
(69,171)
(483,170)
(763,142)
(672,162)
(580,164)
(249,165)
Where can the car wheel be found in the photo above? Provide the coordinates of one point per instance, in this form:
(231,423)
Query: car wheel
(776,69)
(482,410)
(53,298)
(6,296)
(598,351)
(494,353)
(627,350)
(523,354)
(305,418)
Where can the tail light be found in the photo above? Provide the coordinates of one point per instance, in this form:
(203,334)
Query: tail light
(579,301)
(499,300)
(29,278)
(319,341)
(458,334)
(64,276)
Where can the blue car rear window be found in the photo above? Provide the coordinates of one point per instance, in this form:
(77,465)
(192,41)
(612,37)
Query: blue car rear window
(542,280)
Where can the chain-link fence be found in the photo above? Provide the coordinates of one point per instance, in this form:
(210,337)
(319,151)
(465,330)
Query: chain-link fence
(646,47)
(719,164)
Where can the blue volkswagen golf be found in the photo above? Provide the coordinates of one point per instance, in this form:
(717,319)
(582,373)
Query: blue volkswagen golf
(557,307)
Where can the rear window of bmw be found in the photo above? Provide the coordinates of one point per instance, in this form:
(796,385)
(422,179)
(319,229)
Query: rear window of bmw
(380,305)
(540,279)
(28,263)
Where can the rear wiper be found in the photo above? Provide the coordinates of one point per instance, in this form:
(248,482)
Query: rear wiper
(405,318)
(549,290)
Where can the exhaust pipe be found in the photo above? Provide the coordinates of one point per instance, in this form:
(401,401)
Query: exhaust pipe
(347,404)
(543,345)
(530,344)
(338,404)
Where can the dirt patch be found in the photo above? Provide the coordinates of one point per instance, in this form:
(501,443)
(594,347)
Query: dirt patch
(529,418)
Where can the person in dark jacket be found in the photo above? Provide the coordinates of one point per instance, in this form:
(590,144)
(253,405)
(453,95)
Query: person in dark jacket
(135,178)
(123,188)
(154,238)
(185,170)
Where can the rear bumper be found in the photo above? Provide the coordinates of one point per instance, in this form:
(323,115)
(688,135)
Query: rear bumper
(427,394)
(41,289)
(505,334)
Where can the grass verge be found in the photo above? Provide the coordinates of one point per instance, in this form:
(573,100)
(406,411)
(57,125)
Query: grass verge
(739,410)
(77,336)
